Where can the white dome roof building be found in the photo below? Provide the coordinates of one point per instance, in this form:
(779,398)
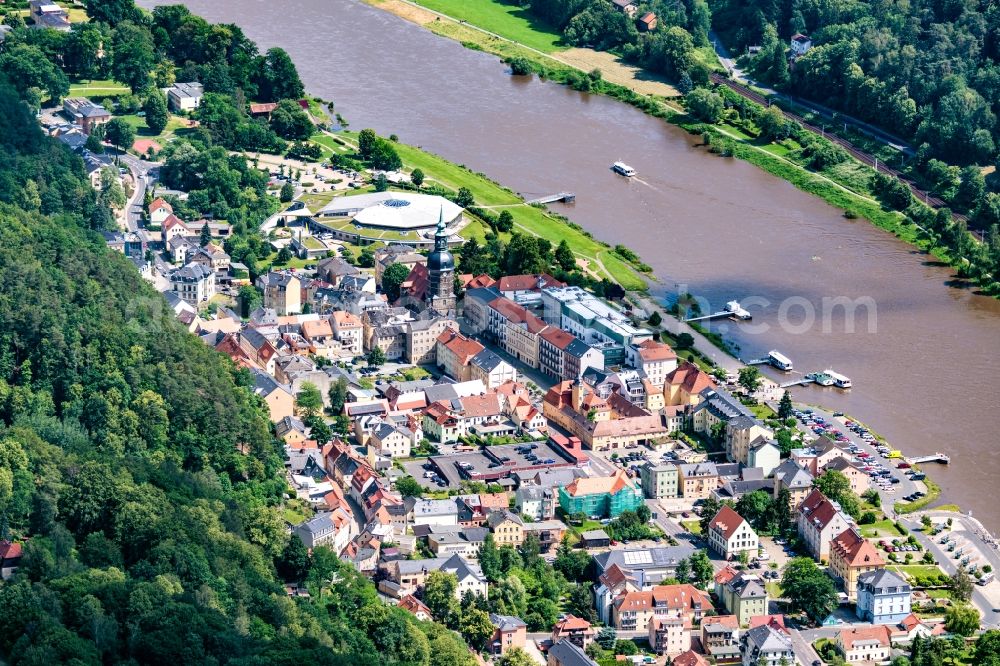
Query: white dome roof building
(403,211)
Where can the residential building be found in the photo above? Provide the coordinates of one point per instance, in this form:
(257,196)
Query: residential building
(670,635)
(800,44)
(193,283)
(819,521)
(744,433)
(697,480)
(448,420)
(852,555)
(720,638)
(432,511)
(633,611)
(655,359)
(445,541)
(795,479)
(869,645)
(729,534)
(415,606)
(690,658)
(549,533)
(742,593)
(331,528)
(282,292)
(601,496)
(766,645)
(507,528)
(764,454)
(10,558)
(410,575)
(686,385)
(212,256)
(46,14)
(183,97)
(602,419)
(536,502)
(574,629)
(856,476)
(508,632)
(567,653)
(564,356)
(491,369)
(632,569)
(659,481)
(455,353)
(646,22)
(626,7)
(85,113)
(278,397)
(348,331)
(883,597)
(391,440)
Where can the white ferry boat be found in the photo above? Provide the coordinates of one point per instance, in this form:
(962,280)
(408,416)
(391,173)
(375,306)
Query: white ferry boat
(623,169)
(839,380)
(779,360)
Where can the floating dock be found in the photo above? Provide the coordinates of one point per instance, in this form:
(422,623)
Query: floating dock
(942,458)
(733,311)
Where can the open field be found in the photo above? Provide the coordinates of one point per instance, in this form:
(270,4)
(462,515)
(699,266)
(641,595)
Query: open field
(97,88)
(507,20)
(881,529)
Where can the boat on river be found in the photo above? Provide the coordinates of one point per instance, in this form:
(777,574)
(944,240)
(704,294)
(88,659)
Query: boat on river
(839,380)
(623,169)
(779,360)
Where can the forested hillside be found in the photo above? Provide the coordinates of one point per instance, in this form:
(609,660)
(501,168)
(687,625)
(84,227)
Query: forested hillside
(137,468)
(926,70)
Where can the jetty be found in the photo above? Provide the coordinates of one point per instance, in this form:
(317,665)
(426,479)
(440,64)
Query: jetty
(733,311)
(798,382)
(565,197)
(938,457)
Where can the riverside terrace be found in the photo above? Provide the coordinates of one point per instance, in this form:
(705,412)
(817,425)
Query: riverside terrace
(496,462)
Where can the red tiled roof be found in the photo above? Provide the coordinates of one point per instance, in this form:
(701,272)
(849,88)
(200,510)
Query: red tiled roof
(527,282)
(651,350)
(690,658)
(160,203)
(9,550)
(878,633)
(690,378)
(727,521)
(459,345)
(263,108)
(557,337)
(855,550)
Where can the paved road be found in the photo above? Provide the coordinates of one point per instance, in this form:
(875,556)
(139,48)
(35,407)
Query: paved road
(802,646)
(144,174)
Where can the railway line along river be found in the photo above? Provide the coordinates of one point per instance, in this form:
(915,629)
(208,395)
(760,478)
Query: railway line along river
(923,355)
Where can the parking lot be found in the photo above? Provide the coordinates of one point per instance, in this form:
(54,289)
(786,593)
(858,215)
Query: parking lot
(885,475)
(490,464)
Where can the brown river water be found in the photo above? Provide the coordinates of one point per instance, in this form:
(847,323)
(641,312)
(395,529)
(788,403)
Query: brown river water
(925,366)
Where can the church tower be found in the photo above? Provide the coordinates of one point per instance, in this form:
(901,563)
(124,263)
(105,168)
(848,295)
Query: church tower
(441,271)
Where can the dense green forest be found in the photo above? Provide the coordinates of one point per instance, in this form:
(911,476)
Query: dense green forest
(682,27)
(137,468)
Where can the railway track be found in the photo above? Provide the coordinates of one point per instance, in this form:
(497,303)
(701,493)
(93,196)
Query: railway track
(850,148)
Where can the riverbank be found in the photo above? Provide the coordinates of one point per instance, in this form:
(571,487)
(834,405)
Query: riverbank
(595,257)
(846,186)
